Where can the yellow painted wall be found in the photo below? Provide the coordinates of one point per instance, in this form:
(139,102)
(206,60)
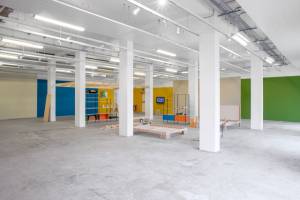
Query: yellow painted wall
(18,97)
(166,92)
(138,99)
(106,105)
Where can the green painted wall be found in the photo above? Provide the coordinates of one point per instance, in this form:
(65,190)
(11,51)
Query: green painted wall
(281,98)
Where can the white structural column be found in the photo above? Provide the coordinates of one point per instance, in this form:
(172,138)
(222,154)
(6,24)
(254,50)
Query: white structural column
(126,90)
(257,109)
(116,98)
(52,89)
(80,89)
(149,93)
(193,91)
(209,101)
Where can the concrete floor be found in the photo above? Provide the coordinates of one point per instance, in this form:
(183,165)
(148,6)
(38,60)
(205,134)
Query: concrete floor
(56,161)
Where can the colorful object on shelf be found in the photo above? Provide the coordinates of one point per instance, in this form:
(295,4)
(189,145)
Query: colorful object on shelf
(182,118)
(104,116)
(103,94)
(168,117)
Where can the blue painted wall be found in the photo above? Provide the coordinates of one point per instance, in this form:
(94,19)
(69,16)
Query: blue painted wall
(65,99)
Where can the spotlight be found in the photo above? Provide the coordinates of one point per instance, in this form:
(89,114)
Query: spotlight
(136,11)
(162,2)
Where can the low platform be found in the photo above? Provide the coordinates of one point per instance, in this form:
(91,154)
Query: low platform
(161,131)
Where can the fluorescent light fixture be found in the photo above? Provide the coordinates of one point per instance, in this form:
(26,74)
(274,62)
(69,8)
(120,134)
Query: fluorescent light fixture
(171,70)
(162,2)
(10,52)
(243,37)
(64,70)
(240,39)
(96,74)
(91,67)
(59,23)
(114,59)
(270,60)
(178,30)
(230,51)
(33,56)
(108,67)
(136,11)
(276,64)
(22,54)
(8,56)
(223,69)
(184,72)
(166,53)
(22,43)
(139,74)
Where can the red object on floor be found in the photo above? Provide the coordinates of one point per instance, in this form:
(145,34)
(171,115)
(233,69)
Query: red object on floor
(181,118)
(104,116)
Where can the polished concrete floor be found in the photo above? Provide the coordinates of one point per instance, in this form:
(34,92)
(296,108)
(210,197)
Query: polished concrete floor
(56,161)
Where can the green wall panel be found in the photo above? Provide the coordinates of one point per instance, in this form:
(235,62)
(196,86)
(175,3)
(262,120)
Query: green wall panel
(281,98)
(245,98)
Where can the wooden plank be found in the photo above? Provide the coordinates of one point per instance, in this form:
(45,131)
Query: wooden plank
(47,108)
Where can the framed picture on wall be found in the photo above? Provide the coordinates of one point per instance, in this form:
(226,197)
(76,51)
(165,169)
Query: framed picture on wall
(103,94)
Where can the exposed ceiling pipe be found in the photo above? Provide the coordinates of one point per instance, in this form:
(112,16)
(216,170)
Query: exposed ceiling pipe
(214,27)
(233,15)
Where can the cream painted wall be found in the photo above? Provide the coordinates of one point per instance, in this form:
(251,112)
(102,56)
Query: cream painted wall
(230,90)
(18,96)
(181,101)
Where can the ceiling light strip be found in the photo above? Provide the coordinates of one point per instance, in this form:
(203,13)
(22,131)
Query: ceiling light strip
(33,54)
(230,51)
(59,23)
(21,43)
(166,53)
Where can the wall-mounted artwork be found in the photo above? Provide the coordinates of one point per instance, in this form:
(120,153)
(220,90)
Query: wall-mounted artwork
(103,94)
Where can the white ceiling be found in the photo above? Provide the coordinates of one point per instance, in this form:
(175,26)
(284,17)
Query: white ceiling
(280,21)
(121,11)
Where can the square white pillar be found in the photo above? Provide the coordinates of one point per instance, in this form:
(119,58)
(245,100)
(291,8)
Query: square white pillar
(126,90)
(116,98)
(51,83)
(257,94)
(149,93)
(80,89)
(193,82)
(209,101)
